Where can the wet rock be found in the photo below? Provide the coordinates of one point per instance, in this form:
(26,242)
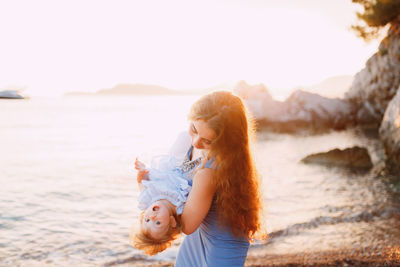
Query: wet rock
(300,111)
(389,132)
(354,158)
(375,85)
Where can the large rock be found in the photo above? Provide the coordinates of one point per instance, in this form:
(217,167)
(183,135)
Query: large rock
(390,132)
(319,111)
(300,111)
(355,158)
(375,85)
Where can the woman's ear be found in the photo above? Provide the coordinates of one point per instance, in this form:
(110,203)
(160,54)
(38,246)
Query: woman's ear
(172,221)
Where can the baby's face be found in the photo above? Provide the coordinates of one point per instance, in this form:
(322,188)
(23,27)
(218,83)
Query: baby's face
(156,219)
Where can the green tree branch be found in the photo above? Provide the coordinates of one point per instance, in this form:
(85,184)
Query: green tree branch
(376,15)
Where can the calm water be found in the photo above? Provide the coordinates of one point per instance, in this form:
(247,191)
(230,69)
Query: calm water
(68,188)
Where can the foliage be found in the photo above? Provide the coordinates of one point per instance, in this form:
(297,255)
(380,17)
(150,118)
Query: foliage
(376,15)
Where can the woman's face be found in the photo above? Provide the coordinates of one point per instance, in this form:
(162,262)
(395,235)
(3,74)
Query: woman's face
(201,134)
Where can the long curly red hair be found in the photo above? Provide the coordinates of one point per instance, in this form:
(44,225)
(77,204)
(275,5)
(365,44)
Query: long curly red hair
(238,199)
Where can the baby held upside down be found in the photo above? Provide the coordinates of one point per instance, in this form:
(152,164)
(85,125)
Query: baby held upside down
(163,193)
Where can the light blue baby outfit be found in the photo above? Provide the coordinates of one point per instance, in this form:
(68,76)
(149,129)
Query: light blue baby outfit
(165,182)
(211,245)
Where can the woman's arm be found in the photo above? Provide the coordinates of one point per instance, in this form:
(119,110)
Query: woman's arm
(199,200)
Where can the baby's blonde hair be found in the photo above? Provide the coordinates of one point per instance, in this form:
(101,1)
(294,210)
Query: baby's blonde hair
(144,241)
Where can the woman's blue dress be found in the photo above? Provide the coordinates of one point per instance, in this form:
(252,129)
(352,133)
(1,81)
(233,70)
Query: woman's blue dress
(212,244)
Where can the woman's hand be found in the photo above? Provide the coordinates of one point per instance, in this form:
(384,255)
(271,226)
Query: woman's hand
(142,171)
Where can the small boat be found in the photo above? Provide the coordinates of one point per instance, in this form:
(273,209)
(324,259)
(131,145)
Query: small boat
(11,94)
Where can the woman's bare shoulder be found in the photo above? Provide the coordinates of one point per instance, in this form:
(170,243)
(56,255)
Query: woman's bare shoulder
(204,177)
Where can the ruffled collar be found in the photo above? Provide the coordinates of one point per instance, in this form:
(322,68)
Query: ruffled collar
(188,164)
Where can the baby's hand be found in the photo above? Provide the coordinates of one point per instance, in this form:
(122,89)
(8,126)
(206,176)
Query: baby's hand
(142,172)
(139,165)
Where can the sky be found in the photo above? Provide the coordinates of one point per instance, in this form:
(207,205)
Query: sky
(52,47)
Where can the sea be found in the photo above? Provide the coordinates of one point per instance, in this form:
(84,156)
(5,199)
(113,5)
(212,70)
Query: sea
(68,191)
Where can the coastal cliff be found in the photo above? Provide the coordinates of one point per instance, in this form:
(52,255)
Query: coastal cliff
(389,132)
(375,85)
(376,94)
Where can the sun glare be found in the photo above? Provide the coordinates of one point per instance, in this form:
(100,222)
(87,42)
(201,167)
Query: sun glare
(91,45)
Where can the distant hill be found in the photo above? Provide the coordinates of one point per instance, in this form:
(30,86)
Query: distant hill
(137,89)
(131,89)
(334,86)
(331,87)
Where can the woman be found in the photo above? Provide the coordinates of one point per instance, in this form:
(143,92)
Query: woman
(223,210)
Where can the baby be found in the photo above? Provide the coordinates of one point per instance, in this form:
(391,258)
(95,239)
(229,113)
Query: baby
(162,198)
